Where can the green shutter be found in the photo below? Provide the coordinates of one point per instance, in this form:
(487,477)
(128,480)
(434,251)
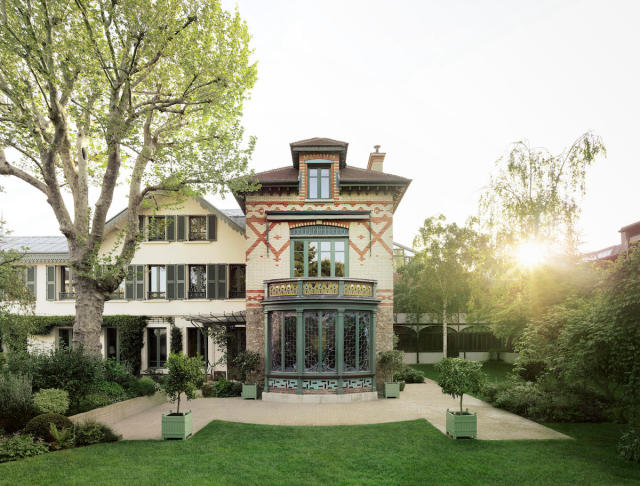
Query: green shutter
(31,280)
(129,288)
(139,282)
(51,283)
(211,281)
(171,228)
(221,277)
(212,227)
(180,278)
(171,282)
(181,231)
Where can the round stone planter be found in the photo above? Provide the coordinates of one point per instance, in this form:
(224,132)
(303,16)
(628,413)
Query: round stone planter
(462,425)
(177,426)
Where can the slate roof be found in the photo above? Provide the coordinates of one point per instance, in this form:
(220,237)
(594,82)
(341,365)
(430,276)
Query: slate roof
(319,144)
(348,175)
(35,244)
(235,215)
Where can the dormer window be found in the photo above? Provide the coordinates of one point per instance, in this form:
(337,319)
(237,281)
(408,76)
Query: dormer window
(319,184)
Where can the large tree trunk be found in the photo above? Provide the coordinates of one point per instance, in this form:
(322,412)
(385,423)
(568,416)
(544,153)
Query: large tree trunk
(88,323)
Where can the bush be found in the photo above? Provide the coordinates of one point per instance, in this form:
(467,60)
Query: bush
(67,369)
(145,387)
(629,444)
(409,375)
(390,362)
(114,391)
(51,400)
(116,372)
(222,389)
(19,446)
(40,426)
(94,433)
(16,402)
(92,401)
(531,370)
(247,363)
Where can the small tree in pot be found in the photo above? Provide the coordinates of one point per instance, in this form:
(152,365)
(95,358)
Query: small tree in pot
(389,362)
(458,376)
(247,363)
(186,375)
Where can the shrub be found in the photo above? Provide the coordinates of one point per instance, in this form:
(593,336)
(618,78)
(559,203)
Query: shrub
(67,369)
(409,375)
(16,402)
(531,370)
(114,391)
(222,388)
(185,376)
(629,444)
(51,400)
(458,376)
(40,426)
(62,439)
(389,363)
(145,387)
(116,372)
(92,401)
(19,446)
(94,433)
(176,340)
(247,363)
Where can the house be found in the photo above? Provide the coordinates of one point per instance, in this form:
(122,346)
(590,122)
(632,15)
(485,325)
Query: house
(303,274)
(629,235)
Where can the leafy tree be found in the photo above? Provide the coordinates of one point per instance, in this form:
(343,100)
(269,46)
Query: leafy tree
(247,363)
(458,376)
(438,279)
(185,376)
(97,93)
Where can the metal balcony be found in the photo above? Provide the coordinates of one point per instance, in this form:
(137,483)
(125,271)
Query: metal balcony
(324,288)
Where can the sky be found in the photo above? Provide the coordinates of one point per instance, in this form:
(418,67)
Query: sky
(444,88)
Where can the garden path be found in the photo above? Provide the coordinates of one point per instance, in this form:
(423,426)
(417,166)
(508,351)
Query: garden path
(416,401)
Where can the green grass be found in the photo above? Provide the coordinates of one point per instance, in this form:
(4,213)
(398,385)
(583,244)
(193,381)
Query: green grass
(396,453)
(496,370)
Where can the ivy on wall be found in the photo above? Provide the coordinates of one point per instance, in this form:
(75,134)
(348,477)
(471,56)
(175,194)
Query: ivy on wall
(130,328)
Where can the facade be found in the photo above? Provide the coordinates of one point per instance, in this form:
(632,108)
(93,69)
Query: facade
(303,274)
(629,235)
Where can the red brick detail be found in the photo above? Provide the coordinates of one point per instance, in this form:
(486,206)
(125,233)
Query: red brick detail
(261,237)
(360,252)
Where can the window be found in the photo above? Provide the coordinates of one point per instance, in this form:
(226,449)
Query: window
(320,341)
(319,258)
(157,346)
(119,293)
(197,228)
(237,281)
(357,325)
(197,281)
(157,282)
(197,343)
(283,341)
(67,288)
(319,183)
(157,228)
(112,346)
(65,337)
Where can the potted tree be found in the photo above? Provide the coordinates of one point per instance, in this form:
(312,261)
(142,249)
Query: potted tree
(185,376)
(389,363)
(247,363)
(458,376)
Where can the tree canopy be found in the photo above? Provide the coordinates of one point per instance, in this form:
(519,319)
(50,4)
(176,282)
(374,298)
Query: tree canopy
(95,93)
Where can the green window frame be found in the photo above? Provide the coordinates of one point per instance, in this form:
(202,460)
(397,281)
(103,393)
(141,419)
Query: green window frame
(319,182)
(319,257)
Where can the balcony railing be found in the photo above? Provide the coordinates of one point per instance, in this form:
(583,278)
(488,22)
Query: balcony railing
(197,294)
(305,288)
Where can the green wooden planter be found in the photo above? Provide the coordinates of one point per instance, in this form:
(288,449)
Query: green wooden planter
(249,391)
(462,425)
(392,390)
(177,427)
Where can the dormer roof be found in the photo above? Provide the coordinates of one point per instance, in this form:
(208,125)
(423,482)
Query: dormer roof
(320,145)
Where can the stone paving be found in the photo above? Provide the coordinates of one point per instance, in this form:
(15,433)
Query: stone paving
(417,401)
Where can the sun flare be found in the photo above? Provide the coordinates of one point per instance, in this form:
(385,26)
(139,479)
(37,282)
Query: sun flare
(530,254)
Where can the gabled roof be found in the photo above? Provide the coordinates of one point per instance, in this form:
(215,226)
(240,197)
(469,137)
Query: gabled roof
(232,219)
(318,144)
(37,249)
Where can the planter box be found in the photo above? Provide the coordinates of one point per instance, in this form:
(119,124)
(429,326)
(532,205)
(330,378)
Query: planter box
(462,425)
(249,391)
(392,390)
(177,426)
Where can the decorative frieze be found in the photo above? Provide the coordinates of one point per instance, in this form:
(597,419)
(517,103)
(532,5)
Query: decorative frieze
(358,289)
(281,289)
(320,287)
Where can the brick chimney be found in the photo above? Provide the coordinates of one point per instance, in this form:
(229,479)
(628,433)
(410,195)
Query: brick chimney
(376,159)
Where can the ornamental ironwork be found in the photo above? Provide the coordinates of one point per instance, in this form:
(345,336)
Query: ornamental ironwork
(280,289)
(358,289)
(320,287)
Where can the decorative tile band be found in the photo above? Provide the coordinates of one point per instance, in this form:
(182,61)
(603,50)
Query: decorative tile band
(282,289)
(320,287)
(319,386)
(358,289)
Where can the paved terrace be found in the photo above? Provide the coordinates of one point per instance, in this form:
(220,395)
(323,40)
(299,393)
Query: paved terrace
(417,401)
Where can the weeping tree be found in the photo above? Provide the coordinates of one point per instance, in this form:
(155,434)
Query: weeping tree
(143,93)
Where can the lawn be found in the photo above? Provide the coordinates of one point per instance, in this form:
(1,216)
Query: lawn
(396,453)
(496,370)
